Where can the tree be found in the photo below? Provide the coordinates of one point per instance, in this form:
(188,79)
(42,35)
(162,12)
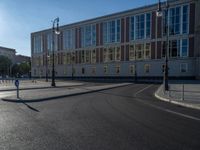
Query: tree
(24,68)
(5,65)
(21,69)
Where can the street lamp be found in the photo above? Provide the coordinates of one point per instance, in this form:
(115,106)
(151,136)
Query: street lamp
(57,32)
(160,14)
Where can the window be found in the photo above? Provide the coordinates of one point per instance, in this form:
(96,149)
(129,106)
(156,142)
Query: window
(148,25)
(87,56)
(140,23)
(65,71)
(139,51)
(93,70)
(118,53)
(132,69)
(37,44)
(41,72)
(69,39)
(72,57)
(131,52)
(174,48)
(184,49)
(105,55)
(51,59)
(49,42)
(105,69)
(184,67)
(105,32)
(174,20)
(67,58)
(88,32)
(93,35)
(118,30)
(82,56)
(117,69)
(88,35)
(146,68)
(185,19)
(93,56)
(39,61)
(132,27)
(83,70)
(56,59)
(64,59)
(111,31)
(34,72)
(147,51)
(111,52)
(163,68)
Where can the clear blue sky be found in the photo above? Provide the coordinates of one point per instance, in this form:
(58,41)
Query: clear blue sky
(18,18)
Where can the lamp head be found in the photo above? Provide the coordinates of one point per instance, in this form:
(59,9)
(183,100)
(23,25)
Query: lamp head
(159,12)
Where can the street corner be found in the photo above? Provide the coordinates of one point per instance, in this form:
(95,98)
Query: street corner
(167,96)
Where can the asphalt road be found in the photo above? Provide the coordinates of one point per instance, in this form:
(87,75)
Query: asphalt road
(125,118)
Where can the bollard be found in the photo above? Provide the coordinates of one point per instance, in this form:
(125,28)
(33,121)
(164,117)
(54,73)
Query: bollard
(183,93)
(17,86)
(17,91)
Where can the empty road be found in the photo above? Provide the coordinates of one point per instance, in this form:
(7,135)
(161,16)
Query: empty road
(125,118)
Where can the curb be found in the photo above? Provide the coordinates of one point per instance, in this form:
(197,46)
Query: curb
(60,96)
(175,102)
(33,88)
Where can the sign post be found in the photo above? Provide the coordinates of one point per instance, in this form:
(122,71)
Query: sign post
(17,86)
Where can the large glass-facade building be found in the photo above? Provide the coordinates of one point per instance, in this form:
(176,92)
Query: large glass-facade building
(124,45)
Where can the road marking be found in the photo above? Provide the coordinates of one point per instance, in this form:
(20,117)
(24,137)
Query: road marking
(163,109)
(140,91)
(173,112)
(184,115)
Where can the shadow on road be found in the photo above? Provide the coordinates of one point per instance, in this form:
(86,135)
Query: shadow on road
(30,107)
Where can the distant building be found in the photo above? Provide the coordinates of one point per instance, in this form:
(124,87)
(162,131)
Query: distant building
(11,54)
(8,52)
(22,58)
(124,45)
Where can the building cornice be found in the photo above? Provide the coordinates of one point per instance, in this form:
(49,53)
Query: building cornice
(121,14)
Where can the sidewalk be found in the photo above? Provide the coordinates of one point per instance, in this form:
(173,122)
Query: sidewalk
(35,84)
(187,95)
(58,92)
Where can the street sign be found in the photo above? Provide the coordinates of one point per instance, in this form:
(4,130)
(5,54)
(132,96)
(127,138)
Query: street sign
(17,83)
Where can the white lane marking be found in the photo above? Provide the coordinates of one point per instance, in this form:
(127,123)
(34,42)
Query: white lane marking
(140,91)
(170,111)
(163,109)
(184,115)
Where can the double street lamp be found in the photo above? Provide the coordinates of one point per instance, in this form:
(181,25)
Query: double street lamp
(55,31)
(166,26)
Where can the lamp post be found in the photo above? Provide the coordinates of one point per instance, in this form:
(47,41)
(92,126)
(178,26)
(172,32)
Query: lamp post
(166,69)
(57,32)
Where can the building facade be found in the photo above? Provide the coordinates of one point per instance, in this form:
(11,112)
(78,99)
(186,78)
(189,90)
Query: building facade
(8,52)
(124,45)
